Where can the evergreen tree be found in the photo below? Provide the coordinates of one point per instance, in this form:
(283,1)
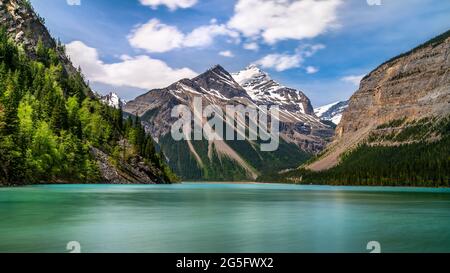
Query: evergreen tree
(41,52)
(59,120)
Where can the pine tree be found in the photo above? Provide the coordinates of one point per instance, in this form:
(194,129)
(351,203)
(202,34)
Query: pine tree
(59,120)
(10,101)
(41,52)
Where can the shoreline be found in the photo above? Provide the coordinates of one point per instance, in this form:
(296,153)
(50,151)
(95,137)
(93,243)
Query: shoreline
(3,186)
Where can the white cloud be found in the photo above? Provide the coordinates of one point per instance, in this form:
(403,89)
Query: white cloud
(226,53)
(171,4)
(204,35)
(139,71)
(276,20)
(353,79)
(251,46)
(282,62)
(312,70)
(155,36)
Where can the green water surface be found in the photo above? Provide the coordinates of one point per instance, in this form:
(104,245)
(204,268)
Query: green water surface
(223,218)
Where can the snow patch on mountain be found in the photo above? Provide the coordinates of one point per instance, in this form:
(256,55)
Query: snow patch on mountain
(332,112)
(113,100)
(264,90)
(258,84)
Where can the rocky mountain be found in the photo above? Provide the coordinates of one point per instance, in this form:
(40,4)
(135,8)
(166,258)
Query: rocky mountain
(45,100)
(113,100)
(396,130)
(302,132)
(332,112)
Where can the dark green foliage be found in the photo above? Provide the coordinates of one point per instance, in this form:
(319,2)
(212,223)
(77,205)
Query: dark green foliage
(222,168)
(59,117)
(287,156)
(42,53)
(414,131)
(49,122)
(214,168)
(394,123)
(183,162)
(419,130)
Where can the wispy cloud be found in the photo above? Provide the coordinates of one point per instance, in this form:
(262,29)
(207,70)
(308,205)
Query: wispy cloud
(353,79)
(285,61)
(312,69)
(251,46)
(226,53)
(280,62)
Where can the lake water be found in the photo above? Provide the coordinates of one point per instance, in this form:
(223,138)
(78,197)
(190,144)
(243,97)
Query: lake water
(223,218)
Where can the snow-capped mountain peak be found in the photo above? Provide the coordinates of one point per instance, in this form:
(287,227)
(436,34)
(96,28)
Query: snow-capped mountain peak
(250,75)
(264,90)
(113,100)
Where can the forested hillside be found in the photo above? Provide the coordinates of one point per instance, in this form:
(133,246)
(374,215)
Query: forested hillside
(51,125)
(418,163)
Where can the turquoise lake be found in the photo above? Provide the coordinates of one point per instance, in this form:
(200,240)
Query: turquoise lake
(193,217)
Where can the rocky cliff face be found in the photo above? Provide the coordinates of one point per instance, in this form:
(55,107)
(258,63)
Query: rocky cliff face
(408,88)
(24,25)
(132,171)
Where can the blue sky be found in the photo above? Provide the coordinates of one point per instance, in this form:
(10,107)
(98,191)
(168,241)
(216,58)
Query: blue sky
(319,46)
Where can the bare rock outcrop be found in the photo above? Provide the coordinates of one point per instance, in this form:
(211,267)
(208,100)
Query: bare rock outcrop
(125,172)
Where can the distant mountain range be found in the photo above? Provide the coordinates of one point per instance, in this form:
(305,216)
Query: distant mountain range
(302,132)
